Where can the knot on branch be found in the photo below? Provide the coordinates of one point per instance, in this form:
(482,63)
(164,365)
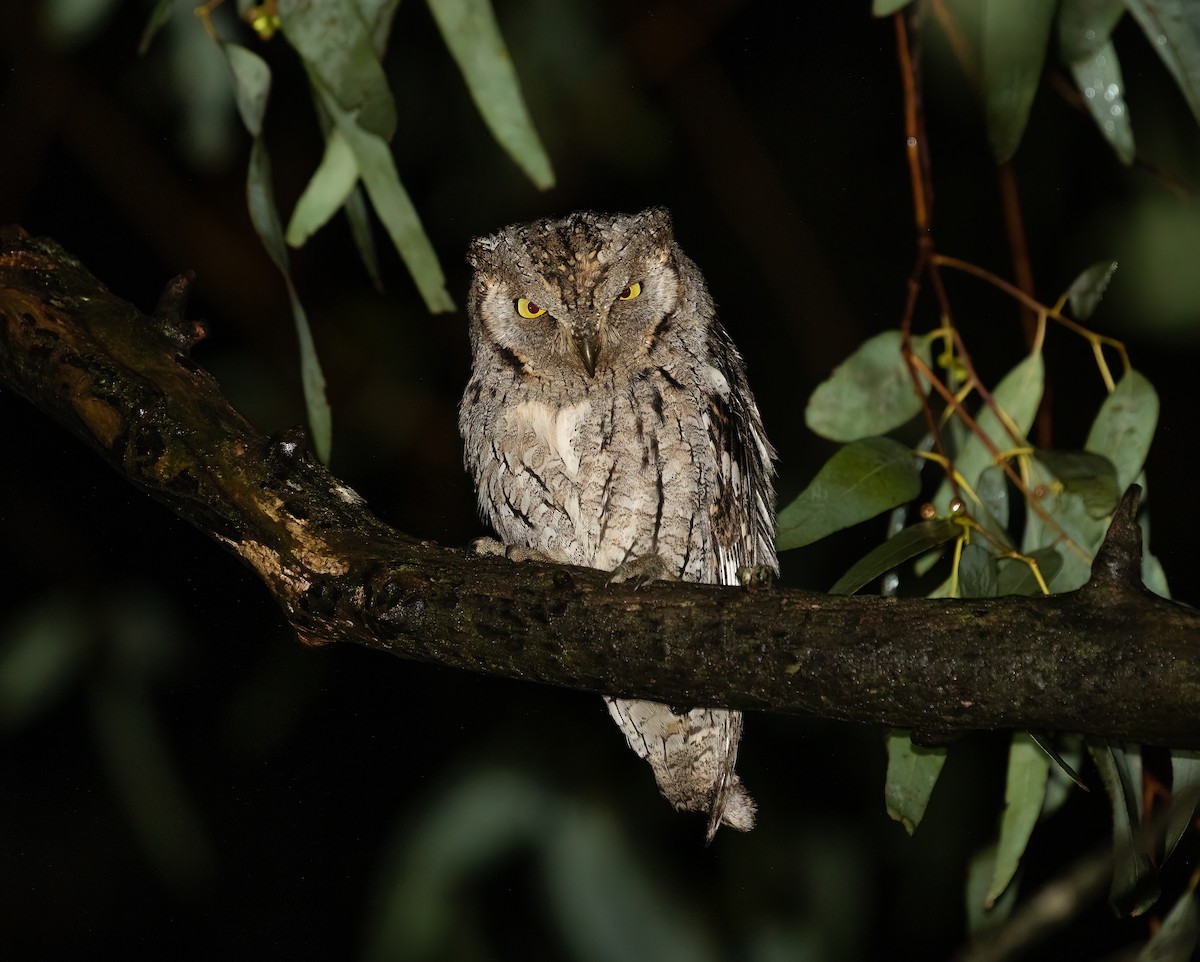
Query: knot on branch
(1118,563)
(169,313)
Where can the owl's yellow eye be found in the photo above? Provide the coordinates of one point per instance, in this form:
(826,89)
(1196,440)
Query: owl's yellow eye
(526,308)
(632,291)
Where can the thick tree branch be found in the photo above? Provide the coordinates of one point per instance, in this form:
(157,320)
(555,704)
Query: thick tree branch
(1110,660)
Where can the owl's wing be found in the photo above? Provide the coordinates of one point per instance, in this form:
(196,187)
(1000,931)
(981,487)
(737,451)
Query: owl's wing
(743,512)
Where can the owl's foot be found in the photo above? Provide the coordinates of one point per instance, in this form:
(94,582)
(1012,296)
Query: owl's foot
(756,576)
(491,548)
(642,570)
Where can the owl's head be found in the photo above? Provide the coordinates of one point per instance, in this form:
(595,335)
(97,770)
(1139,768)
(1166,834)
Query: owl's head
(584,292)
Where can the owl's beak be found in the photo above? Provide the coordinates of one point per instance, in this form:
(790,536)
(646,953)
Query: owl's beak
(588,346)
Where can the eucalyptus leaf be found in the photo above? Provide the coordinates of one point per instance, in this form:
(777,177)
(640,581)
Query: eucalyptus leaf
(982,916)
(992,491)
(1024,792)
(869,393)
(1015,577)
(885,8)
(336,45)
(1135,885)
(252,84)
(1173,29)
(378,16)
(1015,36)
(863,479)
(470,30)
(1102,85)
(1153,575)
(912,772)
(1124,428)
(364,237)
(1089,475)
(1084,26)
(1185,793)
(1176,938)
(976,572)
(327,190)
(909,543)
(155,22)
(1018,394)
(1086,290)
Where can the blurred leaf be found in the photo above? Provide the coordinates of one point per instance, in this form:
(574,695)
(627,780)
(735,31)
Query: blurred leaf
(41,654)
(1015,36)
(378,16)
(336,45)
(252,78)
(982,916)
(992,490)
(326,192)
(1176,938)
(1084,28)
(1185,794)
(909,543)
(911,774)
(1017,578)
(470,30)
(1135,884)
(1153,575)
(863,479)
(1173,29)
(67,22)
(364,238)
(1090,476)
(1024,792)
(1124,428)
(1018,394)
(377,168)
(885,8)
(607,908)
(1087,289)
(869,393)
(155,22)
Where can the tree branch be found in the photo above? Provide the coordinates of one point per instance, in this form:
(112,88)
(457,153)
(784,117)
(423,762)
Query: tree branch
(1110,659)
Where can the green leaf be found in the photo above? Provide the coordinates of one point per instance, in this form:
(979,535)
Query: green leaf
(1017,578)
(261,200)
(869,393)
(378,14)
(984,917)
(1024,792)
(992,490)
(862,480)
(1173,29)
(252,78)
(470,30)
(377,168)
(1125,426)
(1090,476)
(1084,26)
(1134,885)
(909,543)
(364,238)
(1153,575)
(1185,793)
(1015,37)
(885,8)
(42,654)
(155,22)
(327,191)
(1018,394)
(1087,289)
(911,774)
(1176,938)
(1063,778)
(335,43)
(976,572)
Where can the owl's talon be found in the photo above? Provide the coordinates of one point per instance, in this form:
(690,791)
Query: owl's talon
(642,570)
(756,576)
(487,548)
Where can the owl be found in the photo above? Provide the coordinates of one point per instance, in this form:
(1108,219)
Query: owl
(608,423)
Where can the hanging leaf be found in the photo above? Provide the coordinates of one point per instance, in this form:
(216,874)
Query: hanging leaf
(912,772)
(1018,394)
(1015,36)
(1086,290)
(984,917)
(862,480)
(909,543)
(470,30)
(1135,884)
(1185,794)
(1124,428)
(1084,28)
(1024,792)
(327,191)
(869,393)
(364,238)
(1173,29)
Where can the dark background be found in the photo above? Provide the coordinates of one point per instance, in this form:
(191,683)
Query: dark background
(188,781)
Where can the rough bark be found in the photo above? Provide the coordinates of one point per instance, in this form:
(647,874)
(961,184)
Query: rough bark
(1109,660)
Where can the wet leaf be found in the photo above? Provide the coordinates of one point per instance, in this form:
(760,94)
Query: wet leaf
(1084,28)
(909,543)
(1024,792)
(1173,29)
(1015,36)
(1086,290)
(1124,428)
(860,481)
(470,30)
(911,774)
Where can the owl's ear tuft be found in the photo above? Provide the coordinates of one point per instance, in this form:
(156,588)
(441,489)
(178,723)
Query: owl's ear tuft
(480,251)
(657,222)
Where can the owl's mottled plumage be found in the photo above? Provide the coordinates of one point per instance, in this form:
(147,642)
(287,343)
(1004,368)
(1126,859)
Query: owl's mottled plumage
(618,425)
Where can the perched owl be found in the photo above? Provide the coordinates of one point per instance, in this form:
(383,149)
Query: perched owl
(608,423)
